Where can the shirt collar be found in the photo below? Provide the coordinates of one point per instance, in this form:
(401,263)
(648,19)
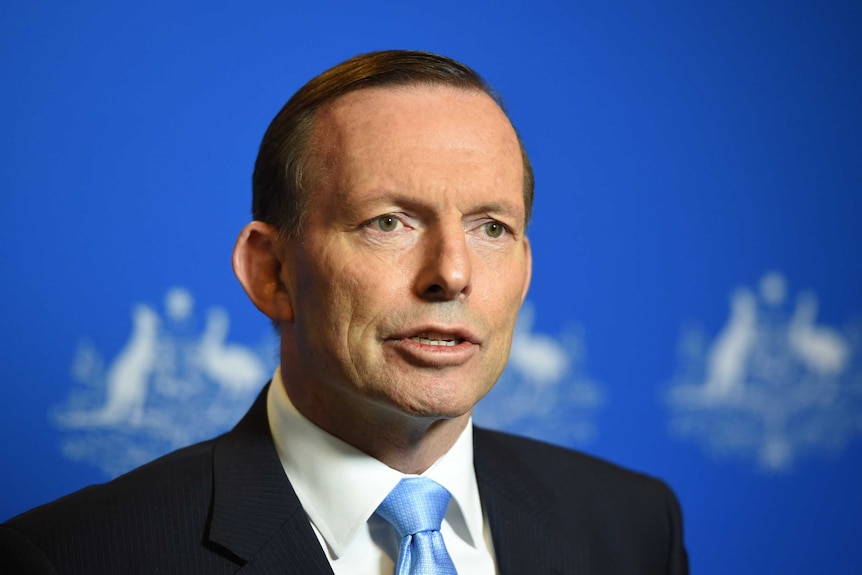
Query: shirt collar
(340,486)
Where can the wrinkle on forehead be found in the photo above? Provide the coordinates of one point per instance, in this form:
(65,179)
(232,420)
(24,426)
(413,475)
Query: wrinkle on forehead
(423,114)
(385,132)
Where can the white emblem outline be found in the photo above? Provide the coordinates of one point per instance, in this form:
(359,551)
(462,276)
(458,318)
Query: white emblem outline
(773,385)
(171,384)
(545,391)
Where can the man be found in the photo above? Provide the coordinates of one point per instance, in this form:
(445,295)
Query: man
(391,200)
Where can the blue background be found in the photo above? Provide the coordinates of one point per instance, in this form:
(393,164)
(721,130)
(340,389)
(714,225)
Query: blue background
(681,150)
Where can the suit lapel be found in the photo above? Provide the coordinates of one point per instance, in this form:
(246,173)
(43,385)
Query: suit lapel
(256,516)
(521,513)
(258,520)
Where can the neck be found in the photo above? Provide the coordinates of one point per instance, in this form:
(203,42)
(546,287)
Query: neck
(416,445)
(405,442)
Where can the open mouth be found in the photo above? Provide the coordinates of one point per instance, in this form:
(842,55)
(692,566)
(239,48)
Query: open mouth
(436,346)
(439,341)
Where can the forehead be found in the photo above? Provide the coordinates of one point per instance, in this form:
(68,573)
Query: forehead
(414,107)
(414,124)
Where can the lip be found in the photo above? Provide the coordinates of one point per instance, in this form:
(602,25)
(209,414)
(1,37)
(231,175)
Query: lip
(414,345)
(437,331)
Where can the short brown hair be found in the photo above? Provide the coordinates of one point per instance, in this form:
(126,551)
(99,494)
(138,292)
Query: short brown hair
(278,194)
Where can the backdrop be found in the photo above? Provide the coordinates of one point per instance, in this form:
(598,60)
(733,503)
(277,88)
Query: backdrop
(695,310)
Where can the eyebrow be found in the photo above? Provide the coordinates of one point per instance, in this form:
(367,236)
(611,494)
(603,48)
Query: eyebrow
(354,214)
(410,201)
(503,208)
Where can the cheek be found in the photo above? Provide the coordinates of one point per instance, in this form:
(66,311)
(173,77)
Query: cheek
(377,275)
(506,281)
(352,290)
(322,290)
(501,306)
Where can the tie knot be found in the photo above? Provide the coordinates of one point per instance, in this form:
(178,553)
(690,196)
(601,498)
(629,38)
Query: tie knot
(416,504)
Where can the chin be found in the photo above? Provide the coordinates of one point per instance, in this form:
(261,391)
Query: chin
(440,405)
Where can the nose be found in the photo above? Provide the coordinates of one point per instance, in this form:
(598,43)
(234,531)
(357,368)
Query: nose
(446,266)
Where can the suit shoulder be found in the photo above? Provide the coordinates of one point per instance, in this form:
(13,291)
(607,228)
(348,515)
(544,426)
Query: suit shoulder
(627,522)
(563,465)
(115,526)
(180,478)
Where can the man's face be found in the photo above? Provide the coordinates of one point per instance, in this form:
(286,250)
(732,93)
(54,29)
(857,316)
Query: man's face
(408,274)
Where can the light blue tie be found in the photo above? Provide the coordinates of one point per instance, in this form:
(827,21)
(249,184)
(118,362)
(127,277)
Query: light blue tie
(415,508)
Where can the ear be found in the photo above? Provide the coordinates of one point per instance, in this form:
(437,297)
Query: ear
(529,257)
(259,265)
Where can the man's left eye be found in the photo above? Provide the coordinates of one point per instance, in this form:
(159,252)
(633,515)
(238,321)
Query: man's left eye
(494,229)
(386,223)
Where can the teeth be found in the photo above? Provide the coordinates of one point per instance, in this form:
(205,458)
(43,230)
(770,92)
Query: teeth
(443,342)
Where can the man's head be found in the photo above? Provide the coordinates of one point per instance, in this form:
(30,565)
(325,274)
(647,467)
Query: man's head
(284,168)
(397,296)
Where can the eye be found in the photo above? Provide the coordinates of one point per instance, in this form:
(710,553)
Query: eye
(494,229)
(386,223)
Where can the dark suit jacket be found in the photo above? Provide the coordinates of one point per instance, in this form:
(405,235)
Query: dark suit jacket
(225,506)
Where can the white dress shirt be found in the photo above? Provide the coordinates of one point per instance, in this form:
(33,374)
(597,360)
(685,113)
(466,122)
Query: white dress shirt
(340,487)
